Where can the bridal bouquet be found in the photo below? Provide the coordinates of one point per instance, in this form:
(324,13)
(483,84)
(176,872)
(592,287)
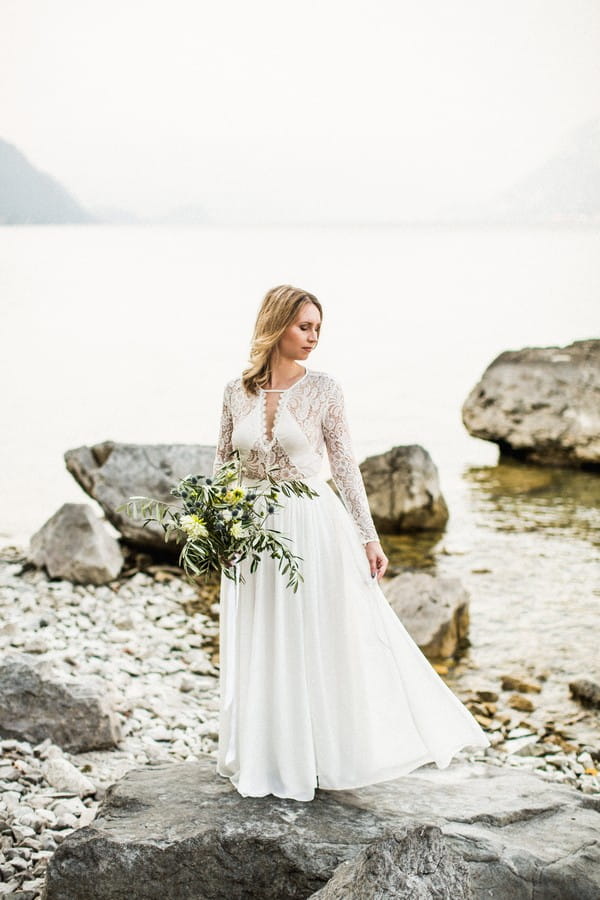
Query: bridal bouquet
(223,523)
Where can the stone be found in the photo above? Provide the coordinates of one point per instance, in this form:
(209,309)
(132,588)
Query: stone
(414,865)
(73,544)
(514,683)
(404,492)
(434,609)
(588,692)
(77,716)
(179,830)
(518,701)
(487,696)
(541,404)
(111,472)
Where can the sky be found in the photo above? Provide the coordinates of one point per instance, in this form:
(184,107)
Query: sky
(271,110)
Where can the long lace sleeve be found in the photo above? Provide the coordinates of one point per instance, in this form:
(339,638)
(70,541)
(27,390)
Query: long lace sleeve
(344,468)
(224,445)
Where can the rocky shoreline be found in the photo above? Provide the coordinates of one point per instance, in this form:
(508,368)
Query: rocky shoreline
(152,639)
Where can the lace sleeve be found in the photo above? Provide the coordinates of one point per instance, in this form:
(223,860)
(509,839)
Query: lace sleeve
(344,468)
(224,445)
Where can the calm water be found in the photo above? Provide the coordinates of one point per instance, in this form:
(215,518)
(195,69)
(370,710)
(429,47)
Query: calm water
(130,333)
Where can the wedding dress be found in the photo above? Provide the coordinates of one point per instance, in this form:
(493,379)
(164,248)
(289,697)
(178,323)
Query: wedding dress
(323,687)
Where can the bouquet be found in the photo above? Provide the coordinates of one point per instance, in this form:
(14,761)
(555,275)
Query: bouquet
(223,523)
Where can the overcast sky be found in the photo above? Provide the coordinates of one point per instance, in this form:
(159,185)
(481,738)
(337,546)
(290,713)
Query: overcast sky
(266,108)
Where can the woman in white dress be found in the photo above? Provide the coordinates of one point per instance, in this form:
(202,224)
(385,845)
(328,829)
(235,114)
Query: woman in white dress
(324,687)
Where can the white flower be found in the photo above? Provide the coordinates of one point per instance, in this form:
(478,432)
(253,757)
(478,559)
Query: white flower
(237,530)
(226,515)
(193,526)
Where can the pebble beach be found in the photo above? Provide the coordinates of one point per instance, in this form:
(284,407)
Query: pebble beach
(152,638)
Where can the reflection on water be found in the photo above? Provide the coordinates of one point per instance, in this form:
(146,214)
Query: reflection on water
(516,497)
(525,543)
(415,550)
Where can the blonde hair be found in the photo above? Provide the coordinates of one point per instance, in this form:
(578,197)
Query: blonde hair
(278,309)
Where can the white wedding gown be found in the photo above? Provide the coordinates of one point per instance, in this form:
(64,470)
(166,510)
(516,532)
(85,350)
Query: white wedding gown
(323,687)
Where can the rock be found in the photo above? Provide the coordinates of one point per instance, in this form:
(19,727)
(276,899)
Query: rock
(487,696)
(433,609)
(541,404)
(586,691)
(180,830)
(513,683)
(76,716)
(414,865)
(74,545)
(112,472)
(518,701)
(404,491)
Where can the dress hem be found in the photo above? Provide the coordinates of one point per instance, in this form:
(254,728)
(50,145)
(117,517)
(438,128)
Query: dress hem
(391,775)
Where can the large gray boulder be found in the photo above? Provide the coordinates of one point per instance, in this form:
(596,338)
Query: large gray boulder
(541,404)
(434,609)
(404,490)
(112,472)
(78,716)
(179,831)
(75,545)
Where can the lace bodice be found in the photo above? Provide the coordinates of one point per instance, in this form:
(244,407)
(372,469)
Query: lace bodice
(310,417)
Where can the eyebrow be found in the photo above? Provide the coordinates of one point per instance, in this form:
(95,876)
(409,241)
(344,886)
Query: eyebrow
(310,323)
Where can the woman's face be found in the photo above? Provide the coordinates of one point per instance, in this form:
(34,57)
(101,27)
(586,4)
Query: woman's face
(302,335)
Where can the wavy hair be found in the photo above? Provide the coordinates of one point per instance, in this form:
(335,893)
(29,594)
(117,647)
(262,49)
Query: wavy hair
(278,309)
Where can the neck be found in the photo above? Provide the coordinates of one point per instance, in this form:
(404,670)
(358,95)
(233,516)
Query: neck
(285,371)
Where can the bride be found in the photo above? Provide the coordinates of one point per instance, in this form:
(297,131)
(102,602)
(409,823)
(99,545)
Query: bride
(321,688)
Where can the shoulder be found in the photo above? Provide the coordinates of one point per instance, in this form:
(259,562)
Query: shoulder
(326,382)
(324,379)
(233,384)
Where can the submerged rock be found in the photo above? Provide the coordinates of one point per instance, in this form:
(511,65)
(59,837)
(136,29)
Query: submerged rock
(541,404)
(74,544)
(181,831)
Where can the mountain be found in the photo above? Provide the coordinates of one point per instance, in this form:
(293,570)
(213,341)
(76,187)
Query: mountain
(31,197)
(564,189)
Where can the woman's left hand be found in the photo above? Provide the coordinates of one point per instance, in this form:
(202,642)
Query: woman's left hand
(377,559)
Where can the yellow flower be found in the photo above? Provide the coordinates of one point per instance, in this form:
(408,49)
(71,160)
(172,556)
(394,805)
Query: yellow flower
(237,530)
(235,495)
(193,526)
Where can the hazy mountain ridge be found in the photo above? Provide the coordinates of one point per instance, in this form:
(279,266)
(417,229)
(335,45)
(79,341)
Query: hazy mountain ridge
(566,188)
(31,197)
(563,190)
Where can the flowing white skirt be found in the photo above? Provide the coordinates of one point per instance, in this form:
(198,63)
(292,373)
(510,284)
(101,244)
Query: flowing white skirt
(325,687)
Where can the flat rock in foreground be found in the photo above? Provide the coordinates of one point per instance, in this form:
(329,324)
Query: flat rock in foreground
(182,832)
